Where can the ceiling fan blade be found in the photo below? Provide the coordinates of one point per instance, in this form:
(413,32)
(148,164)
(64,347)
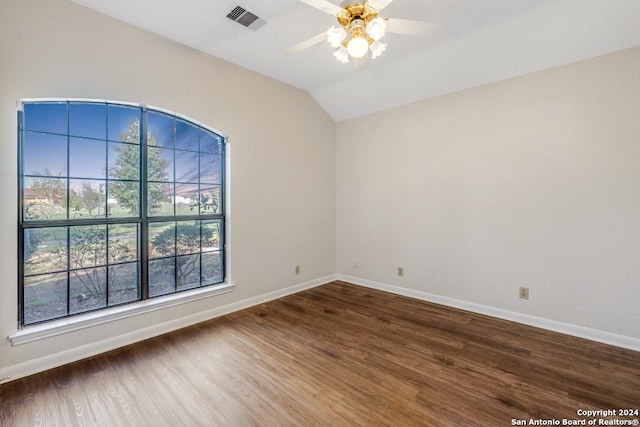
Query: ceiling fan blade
(324,6)
(306,44)
(379,4)
(414,28)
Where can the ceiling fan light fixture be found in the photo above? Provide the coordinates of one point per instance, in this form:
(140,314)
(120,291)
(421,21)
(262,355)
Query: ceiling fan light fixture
(335,36)
(341,54)
(376,28)
(361,29)
(377,48)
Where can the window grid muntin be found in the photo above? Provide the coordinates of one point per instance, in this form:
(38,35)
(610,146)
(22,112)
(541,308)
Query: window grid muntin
(140,220)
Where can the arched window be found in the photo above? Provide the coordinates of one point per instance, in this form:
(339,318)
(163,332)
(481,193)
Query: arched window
(118,203)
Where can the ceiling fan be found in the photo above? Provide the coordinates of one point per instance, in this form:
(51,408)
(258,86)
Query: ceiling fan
(361,29)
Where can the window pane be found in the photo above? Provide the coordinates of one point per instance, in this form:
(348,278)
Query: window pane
(210,142)
(186,199)
(186,166)
(124,283)
(124,124)
(87,158)
(188,271)
(211,235)
(45,154)
(160,130)
(211,268)
(162,239)
(88,246)
(124,199)
(187,136)
(88,289)
(124,161)
(88,120)
(210,168)
(45,198)
(159,164)
(159,199)
(45,297)
(123,243)
(46,117)
(188,237)
(45,250)
(210,202)
(162,276)
(87,198)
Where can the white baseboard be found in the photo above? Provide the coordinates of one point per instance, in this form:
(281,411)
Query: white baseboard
(551,325)
(50,361)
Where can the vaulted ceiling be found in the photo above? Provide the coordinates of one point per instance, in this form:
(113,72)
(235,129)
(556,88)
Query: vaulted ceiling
(485,41)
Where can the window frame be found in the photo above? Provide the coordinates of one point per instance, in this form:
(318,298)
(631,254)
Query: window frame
(142,221)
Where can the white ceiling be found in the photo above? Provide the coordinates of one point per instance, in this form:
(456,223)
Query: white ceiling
(486,41)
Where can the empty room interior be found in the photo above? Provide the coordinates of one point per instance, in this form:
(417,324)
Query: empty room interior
(321,213)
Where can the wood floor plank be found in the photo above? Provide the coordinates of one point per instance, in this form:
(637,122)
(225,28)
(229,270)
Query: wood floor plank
(335,355)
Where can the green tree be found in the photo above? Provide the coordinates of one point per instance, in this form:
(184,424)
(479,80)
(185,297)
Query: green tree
(88,198)
(185,241)
(127,167)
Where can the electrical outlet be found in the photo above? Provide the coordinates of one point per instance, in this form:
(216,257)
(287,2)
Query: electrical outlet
(297,269)
(401,271)
(524,293)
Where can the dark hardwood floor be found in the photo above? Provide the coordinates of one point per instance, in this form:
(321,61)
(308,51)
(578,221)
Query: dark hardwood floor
(336,355)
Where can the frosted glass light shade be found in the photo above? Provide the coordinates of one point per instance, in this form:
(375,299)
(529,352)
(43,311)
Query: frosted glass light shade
(341,54)
(357,47)
(377,48)
(335,36)
(376,28)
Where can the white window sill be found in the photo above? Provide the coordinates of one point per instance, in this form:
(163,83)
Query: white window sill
(100,317)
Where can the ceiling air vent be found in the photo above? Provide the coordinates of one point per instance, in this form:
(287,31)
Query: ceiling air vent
(245,18)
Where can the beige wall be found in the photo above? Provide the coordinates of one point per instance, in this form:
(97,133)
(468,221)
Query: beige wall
(282,149)
(533,181)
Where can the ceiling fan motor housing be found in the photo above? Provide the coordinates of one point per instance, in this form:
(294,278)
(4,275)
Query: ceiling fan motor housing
(355,11)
